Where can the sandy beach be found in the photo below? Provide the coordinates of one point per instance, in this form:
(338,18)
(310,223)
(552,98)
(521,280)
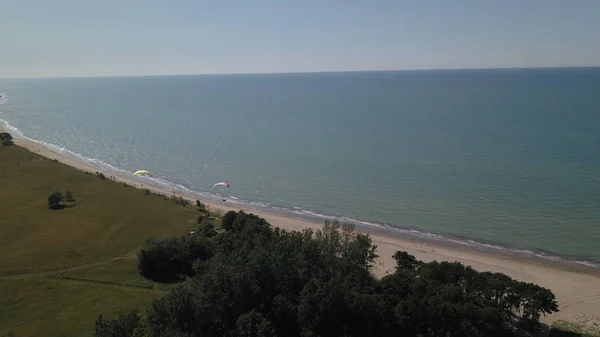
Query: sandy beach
(577,291)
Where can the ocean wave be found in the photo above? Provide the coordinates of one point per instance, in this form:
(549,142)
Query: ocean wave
(94,162)
(3,98)
(11,129)
(293,211)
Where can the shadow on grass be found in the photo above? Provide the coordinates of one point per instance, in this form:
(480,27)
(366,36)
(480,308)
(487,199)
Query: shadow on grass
(165,280)
(555,332)
(62,206)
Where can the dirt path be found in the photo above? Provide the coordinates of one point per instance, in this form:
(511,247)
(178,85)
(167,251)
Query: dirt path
(51,275)
(134,287)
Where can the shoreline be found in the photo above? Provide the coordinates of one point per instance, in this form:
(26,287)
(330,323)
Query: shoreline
(450,240)
(576,286)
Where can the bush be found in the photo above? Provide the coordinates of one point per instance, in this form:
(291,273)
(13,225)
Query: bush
(180,201)
(6,139)
(127,324)
(54,200)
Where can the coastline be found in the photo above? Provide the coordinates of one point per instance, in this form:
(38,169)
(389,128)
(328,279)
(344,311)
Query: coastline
(577,288)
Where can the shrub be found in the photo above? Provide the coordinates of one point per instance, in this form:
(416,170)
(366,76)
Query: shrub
(125,325)
(6,139)
(54,199)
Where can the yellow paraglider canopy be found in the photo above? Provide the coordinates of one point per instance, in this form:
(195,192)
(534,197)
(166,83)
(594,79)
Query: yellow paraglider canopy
(140,171)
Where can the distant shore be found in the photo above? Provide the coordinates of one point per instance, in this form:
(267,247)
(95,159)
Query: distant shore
(577,288)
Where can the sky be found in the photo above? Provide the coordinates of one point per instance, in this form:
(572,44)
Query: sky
(64,38)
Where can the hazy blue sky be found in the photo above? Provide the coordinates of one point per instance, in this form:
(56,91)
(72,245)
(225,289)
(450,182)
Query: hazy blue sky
(110,37)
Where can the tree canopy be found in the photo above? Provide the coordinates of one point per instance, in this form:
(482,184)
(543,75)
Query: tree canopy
(54,199)
(6,139)
(255,280)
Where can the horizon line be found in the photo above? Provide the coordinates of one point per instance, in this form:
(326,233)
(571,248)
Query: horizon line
(305,72)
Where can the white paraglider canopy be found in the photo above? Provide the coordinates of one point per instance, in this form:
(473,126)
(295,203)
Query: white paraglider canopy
(222,183)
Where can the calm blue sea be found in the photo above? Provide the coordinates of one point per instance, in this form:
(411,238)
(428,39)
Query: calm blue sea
(502,157)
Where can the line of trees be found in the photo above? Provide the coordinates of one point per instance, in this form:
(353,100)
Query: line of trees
(254,280)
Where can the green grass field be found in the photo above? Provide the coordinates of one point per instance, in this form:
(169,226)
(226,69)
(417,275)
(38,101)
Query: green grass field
(570,329)
(61,268)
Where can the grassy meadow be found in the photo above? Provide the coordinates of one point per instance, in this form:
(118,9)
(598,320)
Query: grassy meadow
(61,268)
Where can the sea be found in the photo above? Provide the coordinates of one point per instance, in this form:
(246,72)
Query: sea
(507,159)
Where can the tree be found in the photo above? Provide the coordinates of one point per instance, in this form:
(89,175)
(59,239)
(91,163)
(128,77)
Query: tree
(69,196)
(127,324)
(54,199)
(253,324)
(228,220)
(6,138)
(171,260)
(405,261)
(208,230)
(256,280)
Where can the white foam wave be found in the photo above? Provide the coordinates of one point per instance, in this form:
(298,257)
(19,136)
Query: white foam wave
(438,237)
(11,129)
(588,264)
(94,162)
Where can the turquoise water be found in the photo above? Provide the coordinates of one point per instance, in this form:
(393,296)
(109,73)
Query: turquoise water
(506,157)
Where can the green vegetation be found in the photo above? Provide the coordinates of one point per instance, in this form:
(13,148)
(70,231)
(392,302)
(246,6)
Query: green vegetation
(54,199)
(201,207)
(172,259)
(253,280)
(6,139)
(180,201)
(127,324)
(61,269)
(568,329)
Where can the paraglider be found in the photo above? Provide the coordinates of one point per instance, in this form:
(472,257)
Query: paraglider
(222,183)
(140,172)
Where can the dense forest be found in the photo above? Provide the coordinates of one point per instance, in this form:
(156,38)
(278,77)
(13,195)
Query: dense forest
(256,280)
